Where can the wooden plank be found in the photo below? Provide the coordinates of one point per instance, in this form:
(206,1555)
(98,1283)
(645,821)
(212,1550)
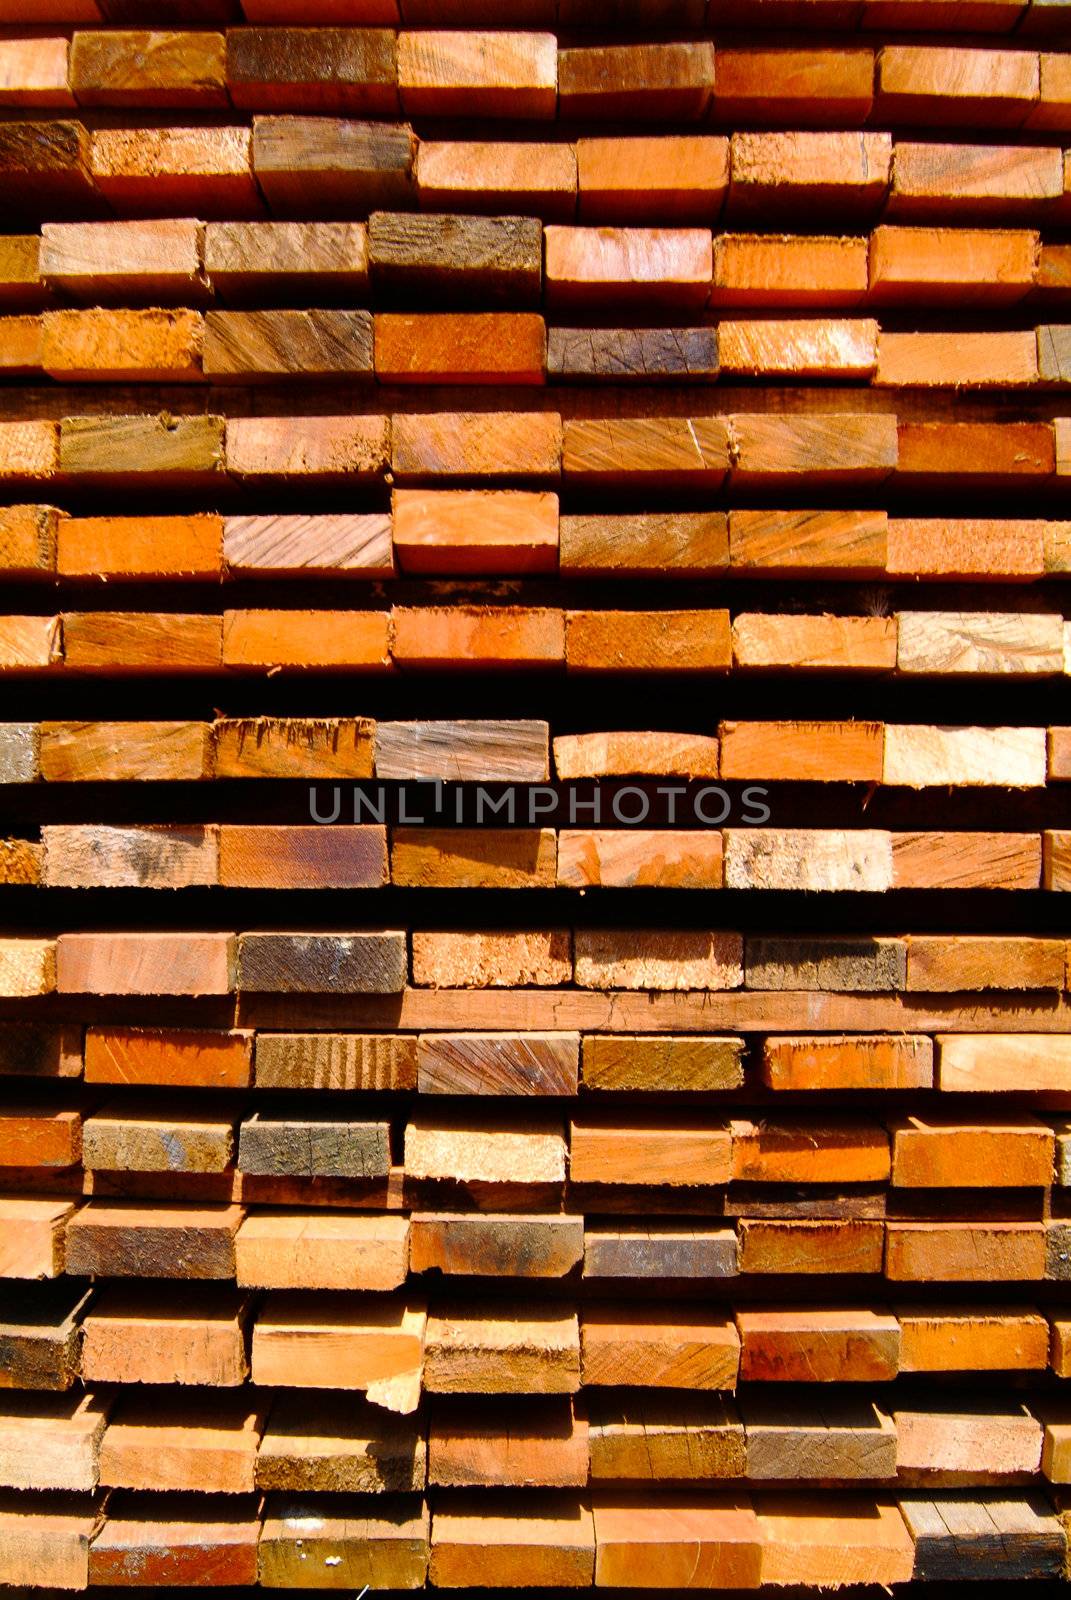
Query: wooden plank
(118,752)
(146,963)
(814,643)
(475,531)
(861,1062)
(193,1541)
(551,1543)
(496,1348)
(499,444)
(34,72)
(1002,1062)
(980,454)
(613,1062)
(329,963)
(639,858)
(924,757)
(680,1541)
(473,959)
(349,70)
(659,1250)
(138,642)
(838,964)
(33,1051)
(496,1246)
(277,1145)
(647,452)
(145,451)
(473,858)
(28,538)
(788,271)
(197,1337)
(171,1056)
(614,754)
(19,752)
(293,747)
(858,859)
(660,1347)
(266,346)
(475,1147)
(122,1138)
(533,179)
(156,261)
(460,347)
(662,1436)
(681,178)
(148,68)
(308,450)
(33,1237)
(127,1239)
(311,1444)
(21,861)
(27,967)
(814,1345)
(327,261)
(957,1535)
(542,1443)
(925,84)
(205,170)
(45,168)
(658,959)
(977,361)
(836,448)
(834,175)
(616,1151)
(936,1151)
(966,860)
(30,644)
(846,1438)
(335,1061)
(943,1441)
(141,346)
(321,1250)
(342,1341)
(806,347)
(644,544)
(21,288)
(347,1547)
(804,87)
(984,1337)
(487,751)
(1001,183)
(664,82)
(667,268)
(448,259)
(964,1252)
(48,1542)
(824,752)
(648,641)
(801,1148)
(41,1335)
(170,1445)
(793,1246)
(258,856)
(477,74)
(29,450)
(632,355)
(324,166)
(155,857)
(487,1063)
(469,638)
(856,1539)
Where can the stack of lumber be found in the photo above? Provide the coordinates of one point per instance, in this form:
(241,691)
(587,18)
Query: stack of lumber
(568,452)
